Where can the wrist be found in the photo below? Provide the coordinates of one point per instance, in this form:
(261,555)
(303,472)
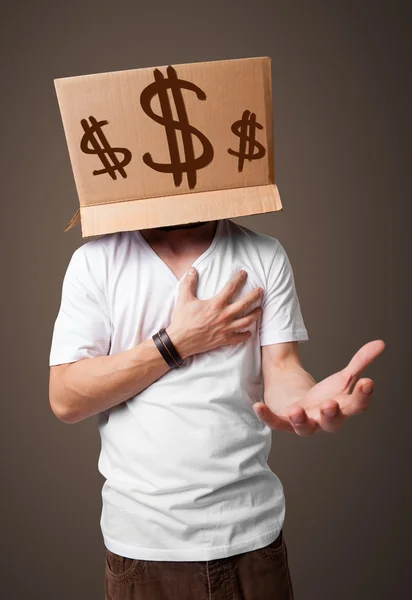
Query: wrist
(178,340)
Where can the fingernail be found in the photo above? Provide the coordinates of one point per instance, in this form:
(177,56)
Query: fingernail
(298,419)
(191,271)
(367,389)
(256,410)
(330,412)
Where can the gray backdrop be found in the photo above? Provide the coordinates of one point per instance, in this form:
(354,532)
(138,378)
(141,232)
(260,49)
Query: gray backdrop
(341,81)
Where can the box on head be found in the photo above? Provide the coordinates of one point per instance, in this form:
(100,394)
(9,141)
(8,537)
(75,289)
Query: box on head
(177,144)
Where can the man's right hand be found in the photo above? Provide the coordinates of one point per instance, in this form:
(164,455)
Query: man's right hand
(201,325)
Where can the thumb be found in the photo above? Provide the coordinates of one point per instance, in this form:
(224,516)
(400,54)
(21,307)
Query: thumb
(188,289)
(274,421)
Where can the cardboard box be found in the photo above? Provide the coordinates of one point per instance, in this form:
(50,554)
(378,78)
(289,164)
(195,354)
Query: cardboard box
(175,144)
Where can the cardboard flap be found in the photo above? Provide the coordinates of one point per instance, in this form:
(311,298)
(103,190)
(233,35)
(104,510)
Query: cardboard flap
(73,221)
(173,210)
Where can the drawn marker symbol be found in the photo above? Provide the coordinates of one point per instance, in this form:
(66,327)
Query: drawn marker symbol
(191,164)
(245,129)
(99,145)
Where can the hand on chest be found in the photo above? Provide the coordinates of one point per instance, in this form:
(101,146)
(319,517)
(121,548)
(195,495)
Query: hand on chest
(144,300)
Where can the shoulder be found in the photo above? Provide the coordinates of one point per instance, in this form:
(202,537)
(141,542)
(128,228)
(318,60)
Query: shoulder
(259,244)
(100,249)
(92,261)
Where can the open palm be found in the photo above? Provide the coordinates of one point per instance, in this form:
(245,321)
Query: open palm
(343,393)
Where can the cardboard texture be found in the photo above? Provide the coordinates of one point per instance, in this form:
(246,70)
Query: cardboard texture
(175,144)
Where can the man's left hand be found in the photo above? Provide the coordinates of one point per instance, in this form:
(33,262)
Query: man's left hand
(328,403)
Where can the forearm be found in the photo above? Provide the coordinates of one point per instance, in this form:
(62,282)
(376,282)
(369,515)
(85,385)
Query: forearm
(290,385)
(93,385)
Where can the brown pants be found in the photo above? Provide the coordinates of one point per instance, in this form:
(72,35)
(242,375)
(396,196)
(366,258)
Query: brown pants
(261,574)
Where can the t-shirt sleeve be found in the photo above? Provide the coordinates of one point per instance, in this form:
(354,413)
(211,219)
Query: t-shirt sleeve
(281,319)
(83,327)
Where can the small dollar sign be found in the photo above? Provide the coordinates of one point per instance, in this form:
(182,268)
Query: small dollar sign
(94,135)
(241,128)
(160,87)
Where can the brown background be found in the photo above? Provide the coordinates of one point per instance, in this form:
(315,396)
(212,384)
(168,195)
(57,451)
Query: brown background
(341,73)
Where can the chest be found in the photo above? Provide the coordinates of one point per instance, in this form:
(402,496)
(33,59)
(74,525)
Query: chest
(175,264)
(142,293)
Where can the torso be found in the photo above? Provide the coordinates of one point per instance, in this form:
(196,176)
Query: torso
(185,460)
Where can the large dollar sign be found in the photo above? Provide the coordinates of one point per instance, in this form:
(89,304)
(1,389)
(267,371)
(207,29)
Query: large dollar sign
(191,164)
(245,129)
(101,147)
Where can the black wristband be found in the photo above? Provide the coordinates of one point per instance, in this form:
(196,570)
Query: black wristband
(161,347)
(169,345)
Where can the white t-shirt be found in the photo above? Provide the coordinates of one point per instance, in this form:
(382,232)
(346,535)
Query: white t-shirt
(185,460)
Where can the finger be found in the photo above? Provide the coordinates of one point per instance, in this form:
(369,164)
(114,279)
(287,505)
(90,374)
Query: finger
(231,287)
(331,418)
(237,337)
(301,423)
(241,306)
(270,418)
(362,358)
(359,400)
(248,320)
(187,290)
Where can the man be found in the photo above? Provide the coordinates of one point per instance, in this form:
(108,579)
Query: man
(177,365)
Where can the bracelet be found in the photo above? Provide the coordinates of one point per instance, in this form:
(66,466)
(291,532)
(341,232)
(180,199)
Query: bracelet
(163,351)
(170,347)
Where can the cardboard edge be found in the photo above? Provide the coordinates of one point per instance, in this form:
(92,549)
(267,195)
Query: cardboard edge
(73,221)
(169,210)
(268,94)
(62,80)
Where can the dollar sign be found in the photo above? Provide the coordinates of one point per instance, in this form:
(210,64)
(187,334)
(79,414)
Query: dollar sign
(94,135)
(241,128)
(160,87)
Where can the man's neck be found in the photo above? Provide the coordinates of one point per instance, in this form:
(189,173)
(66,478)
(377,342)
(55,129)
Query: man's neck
(181,237)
